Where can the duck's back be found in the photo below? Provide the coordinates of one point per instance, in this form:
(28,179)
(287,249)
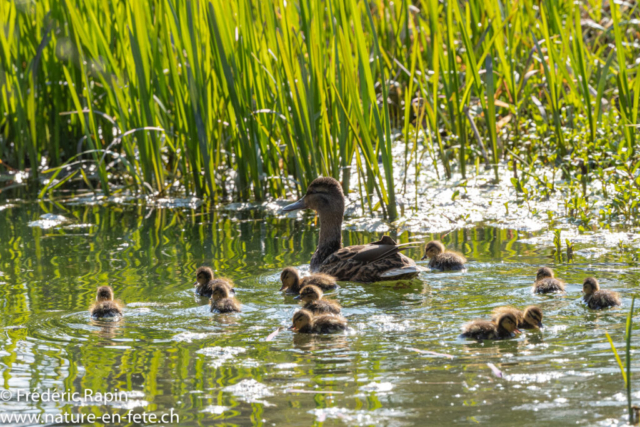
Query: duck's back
(508,310)
(603,299)
(105,309)
(480,330)
(324,281)
(367,263)
(226,305)
(448,261)
(323,306)
(327,324)
(548,285)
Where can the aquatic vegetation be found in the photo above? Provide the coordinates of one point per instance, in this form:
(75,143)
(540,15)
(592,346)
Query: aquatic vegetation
(252,100)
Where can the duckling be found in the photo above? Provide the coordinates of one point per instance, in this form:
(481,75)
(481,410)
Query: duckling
(503,327)
(442,259)
(312,297)
(374,262)
(596,298)
(306,323)
(222,301)
(292,283)
(531,318)
(546,282)
(105,305)
(205,282)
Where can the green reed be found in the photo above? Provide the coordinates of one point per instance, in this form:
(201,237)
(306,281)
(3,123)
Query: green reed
(625,370)
(252,99)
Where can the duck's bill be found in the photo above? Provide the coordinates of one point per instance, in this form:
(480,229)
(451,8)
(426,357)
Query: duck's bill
(540,325)
(283,288)
(297,297)
(292,328)
(518,331)
(294,206)
(423,258)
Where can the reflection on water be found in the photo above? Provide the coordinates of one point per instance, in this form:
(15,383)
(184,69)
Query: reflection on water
(170,352)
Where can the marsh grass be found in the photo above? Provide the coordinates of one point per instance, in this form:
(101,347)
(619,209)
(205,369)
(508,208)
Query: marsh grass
(250,99)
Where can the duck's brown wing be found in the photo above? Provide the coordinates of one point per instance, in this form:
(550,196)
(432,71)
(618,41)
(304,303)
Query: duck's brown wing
(367,263)
(603,299)
(548,285)
(448,261)
(479,330)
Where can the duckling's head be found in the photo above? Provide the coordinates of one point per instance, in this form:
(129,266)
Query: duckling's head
(289,278)
(301,319)
(533,316)
(433,249)
(508,322)
(544,273)
(310,293)
(204,275)
(324,195)
(105,293)
(220,292)
(590,285)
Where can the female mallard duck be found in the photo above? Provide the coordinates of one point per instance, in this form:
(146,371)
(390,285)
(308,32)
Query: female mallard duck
(596,298)
(546,282)
(374,262)
(442,259)
(222,301)
(305,322)
(503,327)
(105,305)
(205,282)
(531,318)
(292,283)
(312,297)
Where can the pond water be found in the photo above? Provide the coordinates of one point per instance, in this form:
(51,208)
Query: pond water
(171,354)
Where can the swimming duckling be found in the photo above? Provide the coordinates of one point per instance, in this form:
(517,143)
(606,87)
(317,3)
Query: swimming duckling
(105,305)
(596,298)
(531,318)
(546,282)
(292,283)
(312,297)
(442,259)
(222,301)
(205,282)
(503,327)
(306,323)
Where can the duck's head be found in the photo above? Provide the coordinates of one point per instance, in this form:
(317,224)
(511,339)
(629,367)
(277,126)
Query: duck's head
(324,195)
(533,316)
(220,292)
(508,322)
(301,319)
(590,285)
(433,249)
(544,273)
(289,278)
(105,293)
(203,276)
(310,293)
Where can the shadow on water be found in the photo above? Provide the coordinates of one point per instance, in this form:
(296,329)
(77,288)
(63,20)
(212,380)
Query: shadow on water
(170,352)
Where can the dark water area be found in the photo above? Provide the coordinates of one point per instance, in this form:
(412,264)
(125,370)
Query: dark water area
(170,353)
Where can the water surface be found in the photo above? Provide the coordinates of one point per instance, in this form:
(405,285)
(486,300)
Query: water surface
(170,352)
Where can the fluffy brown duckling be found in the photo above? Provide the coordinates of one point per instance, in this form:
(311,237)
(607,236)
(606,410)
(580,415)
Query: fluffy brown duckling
(596,298)
(546,282)
(306,323)
(531,318)
(312,297)
(105,305)
(504,326)
(442,259)
(222,300)
(205,283)
(292,283)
